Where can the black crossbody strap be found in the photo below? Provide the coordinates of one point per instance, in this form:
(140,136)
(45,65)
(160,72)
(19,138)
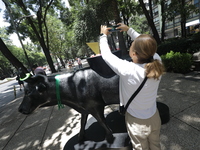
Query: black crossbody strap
(134,94)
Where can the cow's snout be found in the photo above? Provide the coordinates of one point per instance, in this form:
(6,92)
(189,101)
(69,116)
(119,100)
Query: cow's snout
(25,106)
(23,111)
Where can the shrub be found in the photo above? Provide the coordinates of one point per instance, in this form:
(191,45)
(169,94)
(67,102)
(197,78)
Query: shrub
(176,45)
(177,62)
(195,47)
(183,45)
(195,37)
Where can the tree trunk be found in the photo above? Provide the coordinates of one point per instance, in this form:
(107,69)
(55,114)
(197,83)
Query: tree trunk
(150,9)
(47,54)
(42,44)
(183,19)
(38,31)
(163,20)
(13,60)
(183,29)
(150,21)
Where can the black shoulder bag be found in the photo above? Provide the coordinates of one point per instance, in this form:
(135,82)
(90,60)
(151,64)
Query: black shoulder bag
(122,109)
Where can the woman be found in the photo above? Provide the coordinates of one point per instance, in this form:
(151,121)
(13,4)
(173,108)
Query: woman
(142,117)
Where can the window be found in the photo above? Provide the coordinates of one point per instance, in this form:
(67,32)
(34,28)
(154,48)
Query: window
(196,3)
(175,32)
(177,20)
(156,19)
(155,11)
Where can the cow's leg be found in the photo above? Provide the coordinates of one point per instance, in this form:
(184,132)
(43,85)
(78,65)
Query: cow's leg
(82,130)
(98,113)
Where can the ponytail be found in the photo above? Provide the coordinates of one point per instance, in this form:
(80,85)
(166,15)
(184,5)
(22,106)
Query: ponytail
(154,69)
(145,46)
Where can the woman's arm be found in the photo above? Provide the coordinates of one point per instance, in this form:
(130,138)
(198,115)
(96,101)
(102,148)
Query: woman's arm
(131,32)
(113,61)
(116,64)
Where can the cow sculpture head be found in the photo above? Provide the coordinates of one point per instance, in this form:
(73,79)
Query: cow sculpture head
(36,93)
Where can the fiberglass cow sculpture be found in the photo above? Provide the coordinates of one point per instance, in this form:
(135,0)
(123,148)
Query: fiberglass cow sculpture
(85,91)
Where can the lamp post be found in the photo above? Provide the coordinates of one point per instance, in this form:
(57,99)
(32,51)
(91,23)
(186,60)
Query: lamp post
(16,31)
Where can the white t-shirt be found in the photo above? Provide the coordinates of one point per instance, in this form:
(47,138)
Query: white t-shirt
(131,76)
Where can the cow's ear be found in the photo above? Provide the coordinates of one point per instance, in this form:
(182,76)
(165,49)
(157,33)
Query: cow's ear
(41,87)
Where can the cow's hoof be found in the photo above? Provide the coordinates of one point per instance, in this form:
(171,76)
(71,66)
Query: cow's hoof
(110,138)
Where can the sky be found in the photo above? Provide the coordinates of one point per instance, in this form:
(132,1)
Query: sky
(14,37)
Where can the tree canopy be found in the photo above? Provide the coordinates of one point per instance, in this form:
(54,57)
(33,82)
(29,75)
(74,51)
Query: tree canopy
(14,54)
(62,32)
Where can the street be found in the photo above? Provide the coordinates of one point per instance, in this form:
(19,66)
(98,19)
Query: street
(7,92)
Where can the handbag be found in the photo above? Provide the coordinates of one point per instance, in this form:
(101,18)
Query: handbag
(122,109)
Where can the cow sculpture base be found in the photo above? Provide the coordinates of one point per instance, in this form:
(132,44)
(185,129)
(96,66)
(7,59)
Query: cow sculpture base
(95,135)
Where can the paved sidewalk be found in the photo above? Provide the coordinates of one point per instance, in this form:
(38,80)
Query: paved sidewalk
(50,129)
(7,80)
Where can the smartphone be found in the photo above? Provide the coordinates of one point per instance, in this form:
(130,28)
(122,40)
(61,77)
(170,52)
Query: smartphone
(114,28)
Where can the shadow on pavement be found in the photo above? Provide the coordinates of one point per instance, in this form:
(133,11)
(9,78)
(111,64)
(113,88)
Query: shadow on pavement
(95,135)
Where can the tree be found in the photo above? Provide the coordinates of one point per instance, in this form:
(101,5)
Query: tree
(6,55)
(36,28)
(57,33)
(9,51)
(34,56)
(164,11)
(132,16)
(150,21)
(184,9)
(86,18)
(98,12)
(140,24)
(86,26)
(13,60)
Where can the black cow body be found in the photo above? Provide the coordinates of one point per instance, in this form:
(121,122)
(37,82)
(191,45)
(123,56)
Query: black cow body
(85,91)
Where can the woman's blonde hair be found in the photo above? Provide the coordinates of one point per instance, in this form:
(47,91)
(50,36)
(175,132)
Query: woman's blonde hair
(145,46)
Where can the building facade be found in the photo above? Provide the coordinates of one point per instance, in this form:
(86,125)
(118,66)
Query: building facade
(173,28)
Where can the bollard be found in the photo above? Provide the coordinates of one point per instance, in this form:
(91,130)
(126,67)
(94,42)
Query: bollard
(14,91)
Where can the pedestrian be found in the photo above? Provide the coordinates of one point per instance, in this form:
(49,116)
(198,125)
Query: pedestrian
(142,117)
(38,70)
(57,67)
(79,63)
(21,83)
(70,64)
